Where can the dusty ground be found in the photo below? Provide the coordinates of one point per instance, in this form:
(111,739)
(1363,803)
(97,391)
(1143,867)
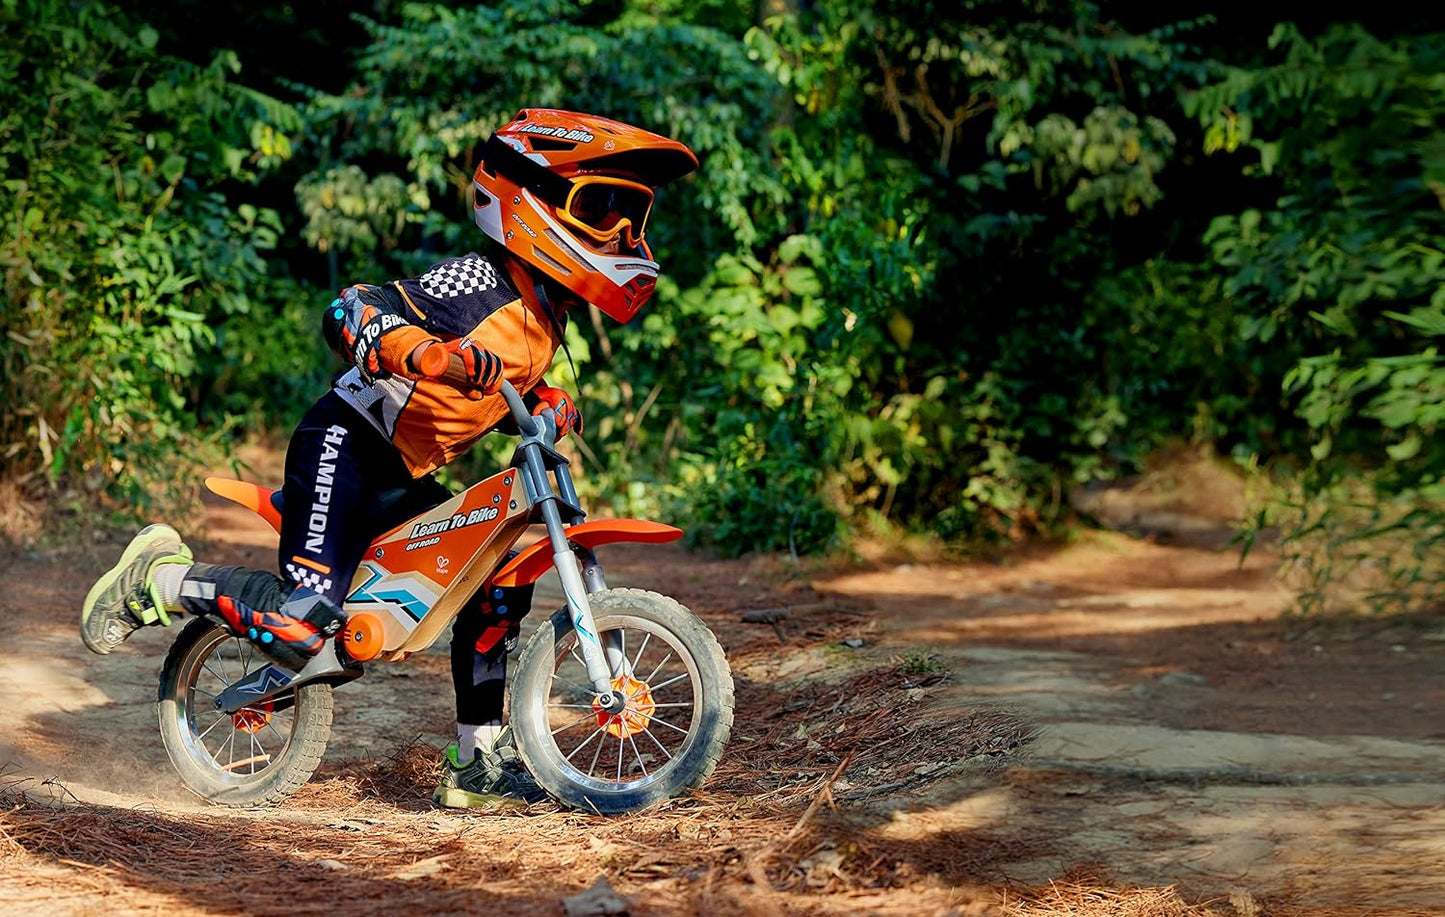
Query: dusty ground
(1115,727)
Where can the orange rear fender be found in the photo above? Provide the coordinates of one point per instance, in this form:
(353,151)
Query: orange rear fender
(528,566)
(252,496)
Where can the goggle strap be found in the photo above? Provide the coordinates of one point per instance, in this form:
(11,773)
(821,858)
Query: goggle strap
(502,157)
(499,156)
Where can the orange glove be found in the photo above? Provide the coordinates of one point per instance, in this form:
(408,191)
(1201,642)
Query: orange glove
(559,402)
(354,329)
(362,336)
(460,362)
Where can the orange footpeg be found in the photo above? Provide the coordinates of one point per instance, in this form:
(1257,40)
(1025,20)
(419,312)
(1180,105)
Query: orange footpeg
(362,636)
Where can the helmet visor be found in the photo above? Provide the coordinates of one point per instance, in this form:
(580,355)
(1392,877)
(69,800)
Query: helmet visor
(602,206)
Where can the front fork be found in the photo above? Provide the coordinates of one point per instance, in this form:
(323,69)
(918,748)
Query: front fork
(595,582)
(601,657)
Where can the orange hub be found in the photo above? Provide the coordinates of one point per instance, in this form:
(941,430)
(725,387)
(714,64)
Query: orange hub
(638,713)
(252,719)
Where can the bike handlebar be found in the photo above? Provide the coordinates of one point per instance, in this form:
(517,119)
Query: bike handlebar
(525,421)
(440,365)
(436,363)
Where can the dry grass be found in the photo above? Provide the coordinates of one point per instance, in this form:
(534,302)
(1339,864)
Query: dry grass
(1086,893)
(22,516)
(786,825)
(402,779)
(776,817)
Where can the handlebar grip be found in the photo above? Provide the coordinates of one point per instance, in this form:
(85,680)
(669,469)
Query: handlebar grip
(433,361)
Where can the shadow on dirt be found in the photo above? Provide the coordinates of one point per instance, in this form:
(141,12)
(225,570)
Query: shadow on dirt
(882,737)
(242,866)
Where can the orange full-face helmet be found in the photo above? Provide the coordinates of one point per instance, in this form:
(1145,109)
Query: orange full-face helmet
(570,194)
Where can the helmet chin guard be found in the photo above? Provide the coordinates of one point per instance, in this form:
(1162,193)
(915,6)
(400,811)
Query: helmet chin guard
(570,194)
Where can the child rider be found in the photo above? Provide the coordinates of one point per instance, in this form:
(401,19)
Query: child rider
(564,198)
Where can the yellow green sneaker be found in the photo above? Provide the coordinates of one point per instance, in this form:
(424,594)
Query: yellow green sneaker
(495,779)
(125,598)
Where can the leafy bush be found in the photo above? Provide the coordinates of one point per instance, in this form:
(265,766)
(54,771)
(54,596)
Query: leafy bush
(941,262)
(121,254)
(1343,283)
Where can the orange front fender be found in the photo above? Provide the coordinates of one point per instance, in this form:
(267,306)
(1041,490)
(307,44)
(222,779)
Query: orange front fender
(528,566)
(252,496)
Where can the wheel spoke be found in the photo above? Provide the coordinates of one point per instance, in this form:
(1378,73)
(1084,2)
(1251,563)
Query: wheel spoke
(220,678)
(596,754)
(218,722)
(640,650)
(658,687)
(640,762)
(659,667)
(619,753)
(660,747)
(272,726)
(239,663)
(577,722)
(216,758)
(573,684)
(662,722)
(594,735)
(572,706)
(676,704)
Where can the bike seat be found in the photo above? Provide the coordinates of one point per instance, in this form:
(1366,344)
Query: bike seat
(389,508)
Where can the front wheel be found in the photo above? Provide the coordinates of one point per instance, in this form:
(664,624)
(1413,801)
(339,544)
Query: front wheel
(259,755)
(679,706)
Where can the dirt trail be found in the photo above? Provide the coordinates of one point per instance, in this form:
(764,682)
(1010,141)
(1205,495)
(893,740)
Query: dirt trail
(1184,740)
(1190,753)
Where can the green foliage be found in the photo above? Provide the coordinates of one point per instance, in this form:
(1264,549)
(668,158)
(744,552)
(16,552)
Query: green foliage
(1343,281)
(920,664)
(1353,547)
(121,254)
(349,212)
(1109,162)
(941,262)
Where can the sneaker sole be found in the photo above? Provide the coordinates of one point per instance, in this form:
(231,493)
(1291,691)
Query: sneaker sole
(454,798)
(109,577)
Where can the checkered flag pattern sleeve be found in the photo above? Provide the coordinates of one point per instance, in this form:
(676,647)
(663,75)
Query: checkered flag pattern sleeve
(308,578)
(458,277)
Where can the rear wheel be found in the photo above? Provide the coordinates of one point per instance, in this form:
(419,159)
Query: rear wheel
(257,756)
(677,721)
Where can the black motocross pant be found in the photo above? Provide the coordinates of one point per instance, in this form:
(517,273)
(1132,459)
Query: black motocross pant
(346,484)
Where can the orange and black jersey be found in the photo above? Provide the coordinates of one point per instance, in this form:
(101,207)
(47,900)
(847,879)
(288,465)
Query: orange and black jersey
(494,303)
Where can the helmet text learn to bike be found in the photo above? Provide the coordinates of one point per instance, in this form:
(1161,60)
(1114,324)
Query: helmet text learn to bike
(570,193)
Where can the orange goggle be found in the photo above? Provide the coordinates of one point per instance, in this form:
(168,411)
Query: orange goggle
(602,207)
(599,206)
